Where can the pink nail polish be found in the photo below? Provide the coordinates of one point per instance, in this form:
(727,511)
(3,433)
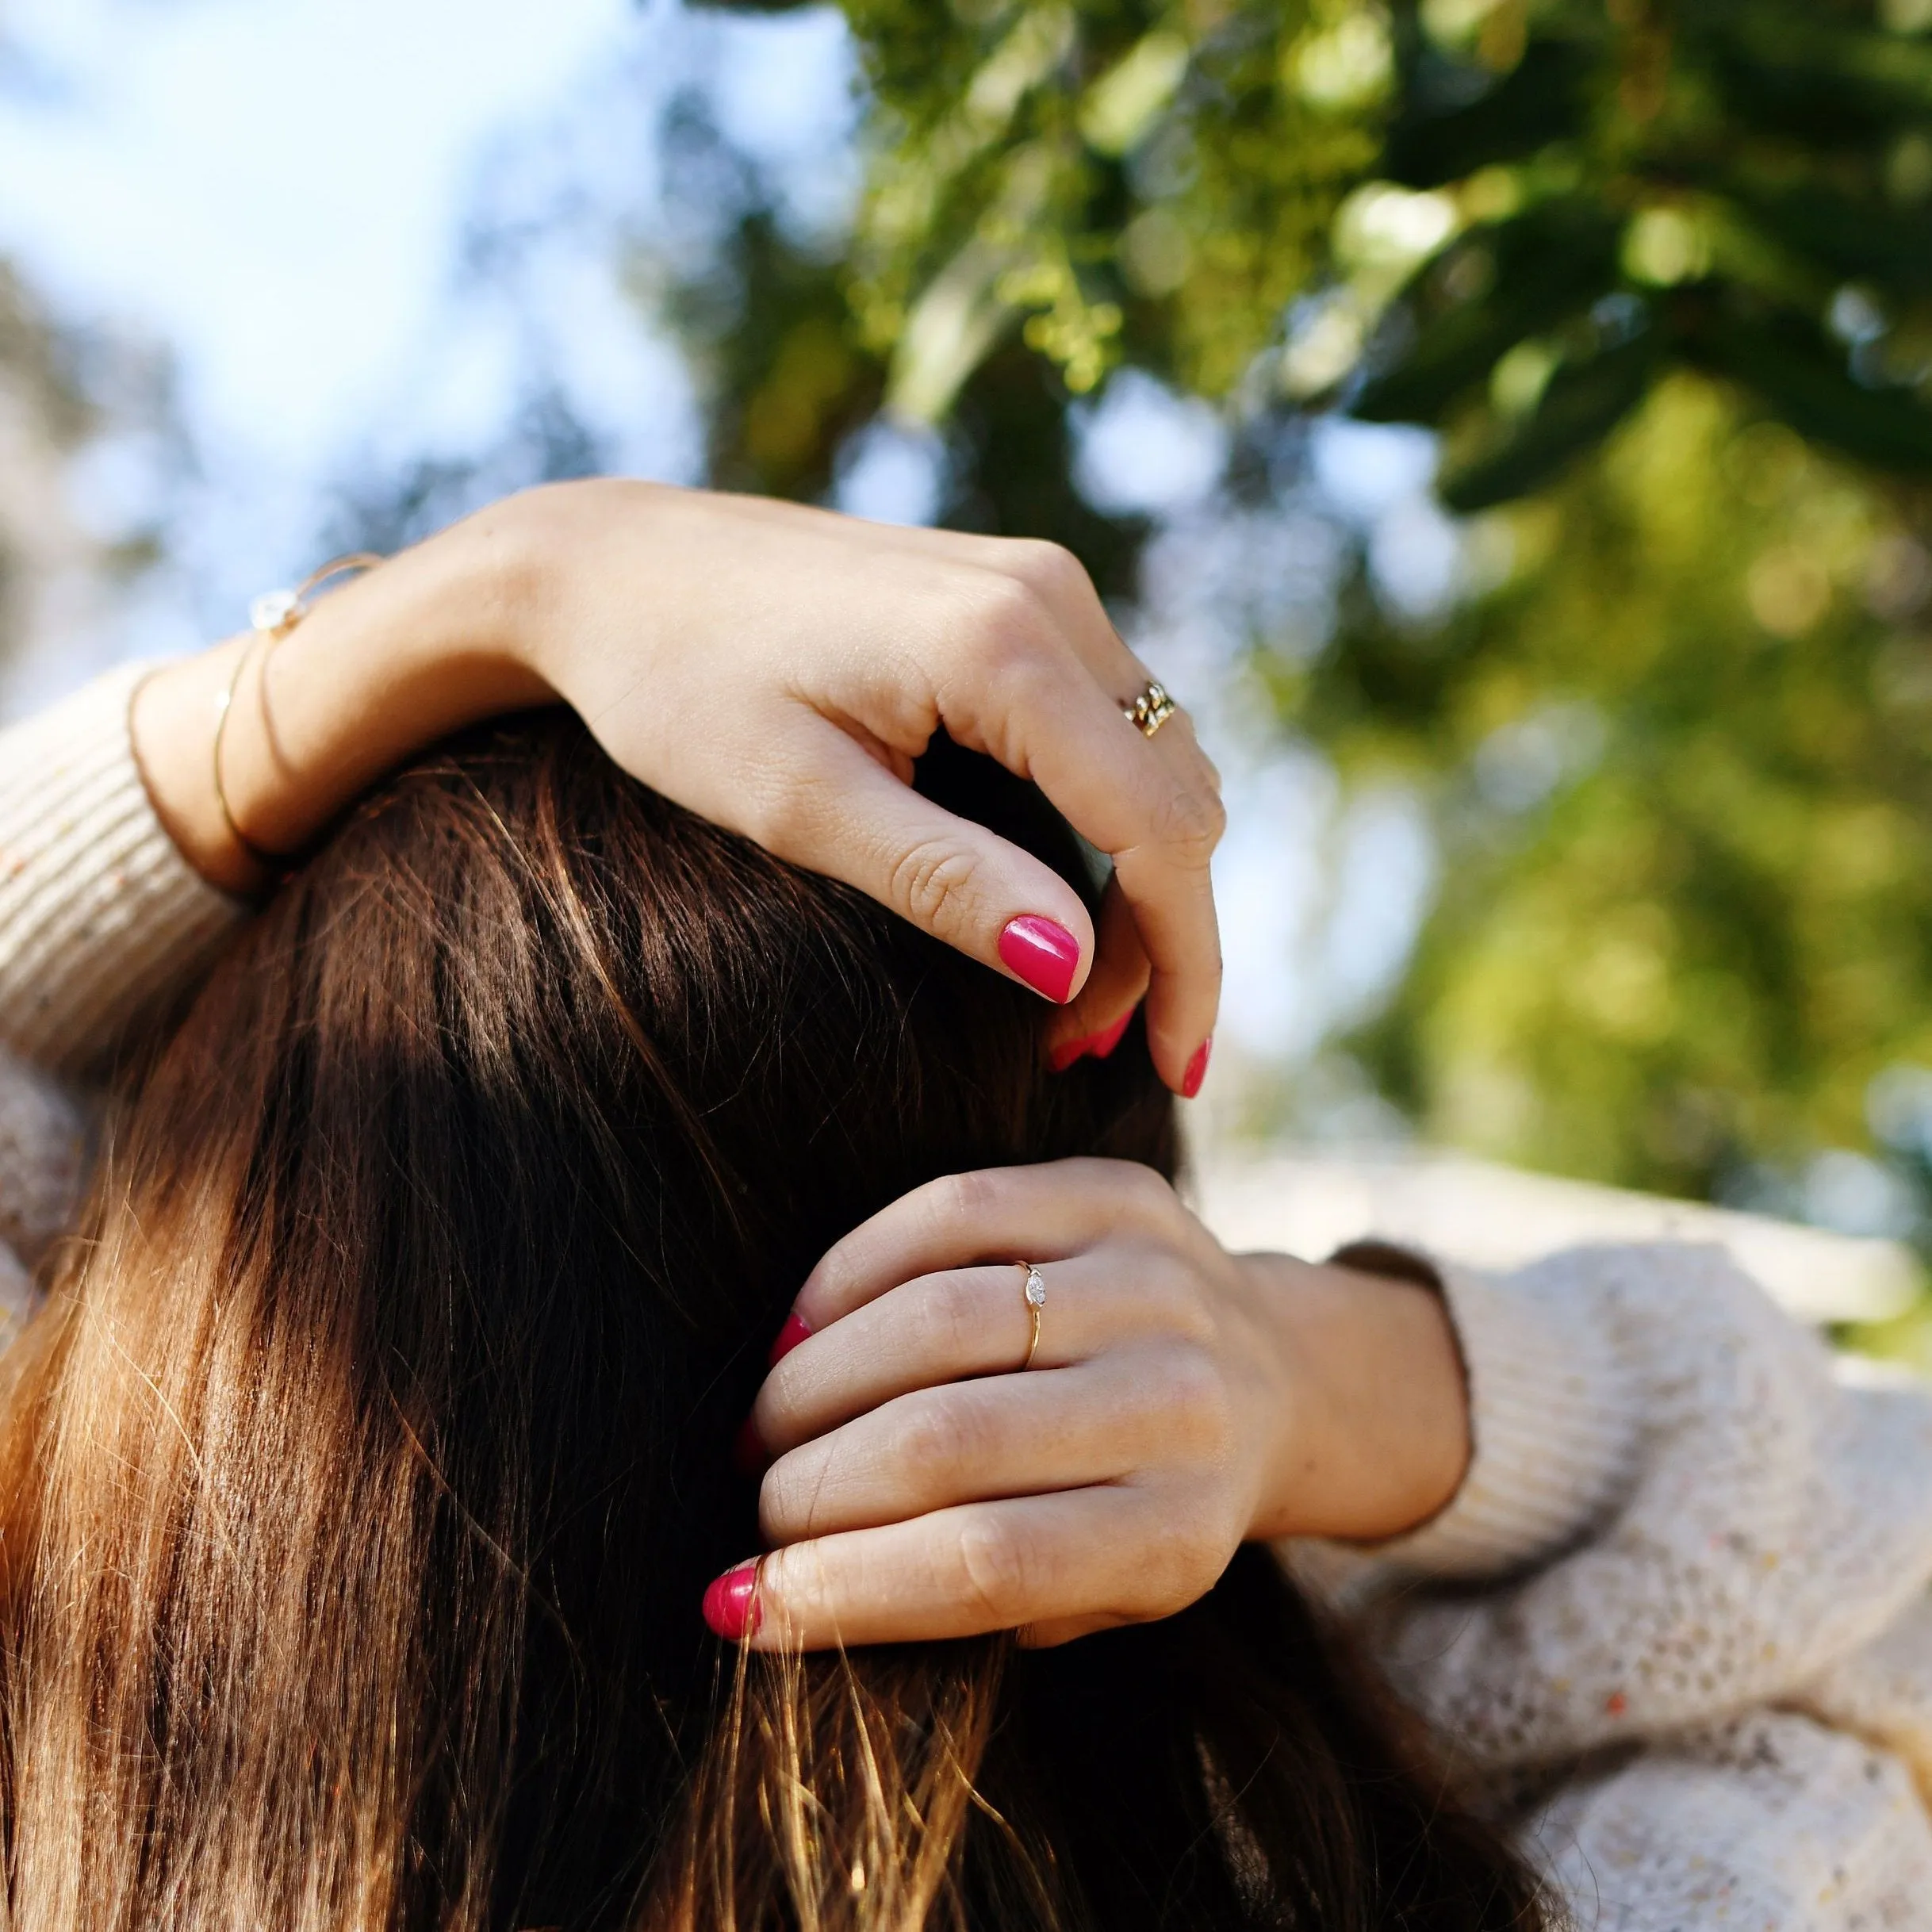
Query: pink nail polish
(731,1602)
(1197,1069)
(749,1455)
(1043,954)
(1099,1045)
(795,1330)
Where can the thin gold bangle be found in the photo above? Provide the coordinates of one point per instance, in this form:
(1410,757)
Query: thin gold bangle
(271,617)
(224,704)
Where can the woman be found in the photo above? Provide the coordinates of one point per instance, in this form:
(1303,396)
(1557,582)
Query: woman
(360,1480)
(1697,1728)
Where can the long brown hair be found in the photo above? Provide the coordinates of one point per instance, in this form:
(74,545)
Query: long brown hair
(360,1482)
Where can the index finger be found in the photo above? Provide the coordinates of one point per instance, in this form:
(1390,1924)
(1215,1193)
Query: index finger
(1040,1214)
(1153,804)
(1162,868)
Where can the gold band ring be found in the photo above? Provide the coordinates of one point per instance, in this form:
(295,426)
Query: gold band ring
(1036,1301)
(1151,710)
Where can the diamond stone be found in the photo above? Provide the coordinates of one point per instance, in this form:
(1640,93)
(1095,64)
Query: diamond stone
(1036,1288)
(273,609)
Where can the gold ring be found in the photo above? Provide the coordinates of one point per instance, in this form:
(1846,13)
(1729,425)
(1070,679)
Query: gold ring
(1036,1300)
(1151,710)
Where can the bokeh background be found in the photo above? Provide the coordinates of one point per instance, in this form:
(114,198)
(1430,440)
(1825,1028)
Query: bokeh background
(1505,423)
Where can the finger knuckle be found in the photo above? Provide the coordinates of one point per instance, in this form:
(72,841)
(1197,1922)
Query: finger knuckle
(1144,1196)
(784,1503)
(792,1579)
(1183,1560)
(1006,1573)
(1189,821)
(943,1323)
(933,881)
(1048,566)
(1200,1554)
(964,1201)
(1011,619)
(1186,1302)
(1193,1406)
(944,1434)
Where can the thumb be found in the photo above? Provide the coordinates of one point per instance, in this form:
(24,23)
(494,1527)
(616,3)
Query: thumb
(851,820)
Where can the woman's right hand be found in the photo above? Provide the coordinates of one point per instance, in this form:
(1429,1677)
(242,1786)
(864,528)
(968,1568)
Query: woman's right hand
(777,668)
(942,1463)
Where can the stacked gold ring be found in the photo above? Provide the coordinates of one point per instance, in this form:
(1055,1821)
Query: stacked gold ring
(1150,710)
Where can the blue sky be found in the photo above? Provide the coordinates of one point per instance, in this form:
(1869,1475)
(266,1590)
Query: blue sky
(272,188)
(277,192)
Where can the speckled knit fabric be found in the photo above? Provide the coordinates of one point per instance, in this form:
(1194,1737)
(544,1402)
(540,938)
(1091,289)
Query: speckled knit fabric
(1677,1622)
(42,1146)
(1703,1683)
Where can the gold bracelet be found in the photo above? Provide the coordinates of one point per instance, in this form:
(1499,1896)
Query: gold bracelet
(271,617)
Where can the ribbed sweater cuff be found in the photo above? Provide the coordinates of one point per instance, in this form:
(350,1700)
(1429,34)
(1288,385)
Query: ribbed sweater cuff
(1554,1423)
(100,917)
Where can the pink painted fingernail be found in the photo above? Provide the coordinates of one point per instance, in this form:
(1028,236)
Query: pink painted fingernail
(731,1602)
(795,1330)
(1197,1069)
(1099,1045)
(1043,954)
(749,1456)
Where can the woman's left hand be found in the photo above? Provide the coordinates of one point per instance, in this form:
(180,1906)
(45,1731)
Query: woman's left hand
(778,669)
(1181,1400)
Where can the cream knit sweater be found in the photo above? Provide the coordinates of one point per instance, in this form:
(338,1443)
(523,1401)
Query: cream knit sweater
(1677,1622)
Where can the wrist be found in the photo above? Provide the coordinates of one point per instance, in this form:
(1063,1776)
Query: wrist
(485,590)
(380,669)
(1372,1435)
(171,727)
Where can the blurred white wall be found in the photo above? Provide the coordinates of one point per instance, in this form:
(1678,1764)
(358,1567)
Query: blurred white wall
(1458,1209)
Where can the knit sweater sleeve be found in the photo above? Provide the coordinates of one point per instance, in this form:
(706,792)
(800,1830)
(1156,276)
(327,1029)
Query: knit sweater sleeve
(100,917)
(1758,1523)
(1696,1665)
(1555,1421)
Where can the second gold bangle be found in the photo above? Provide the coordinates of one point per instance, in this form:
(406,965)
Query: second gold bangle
(224,703)
(271,616)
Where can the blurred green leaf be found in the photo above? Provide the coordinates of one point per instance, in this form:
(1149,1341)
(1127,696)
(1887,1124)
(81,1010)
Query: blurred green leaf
(1820,81)
(1583,402)
(1801,375)
(1553,261)
(1852,239)
(1441,136)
